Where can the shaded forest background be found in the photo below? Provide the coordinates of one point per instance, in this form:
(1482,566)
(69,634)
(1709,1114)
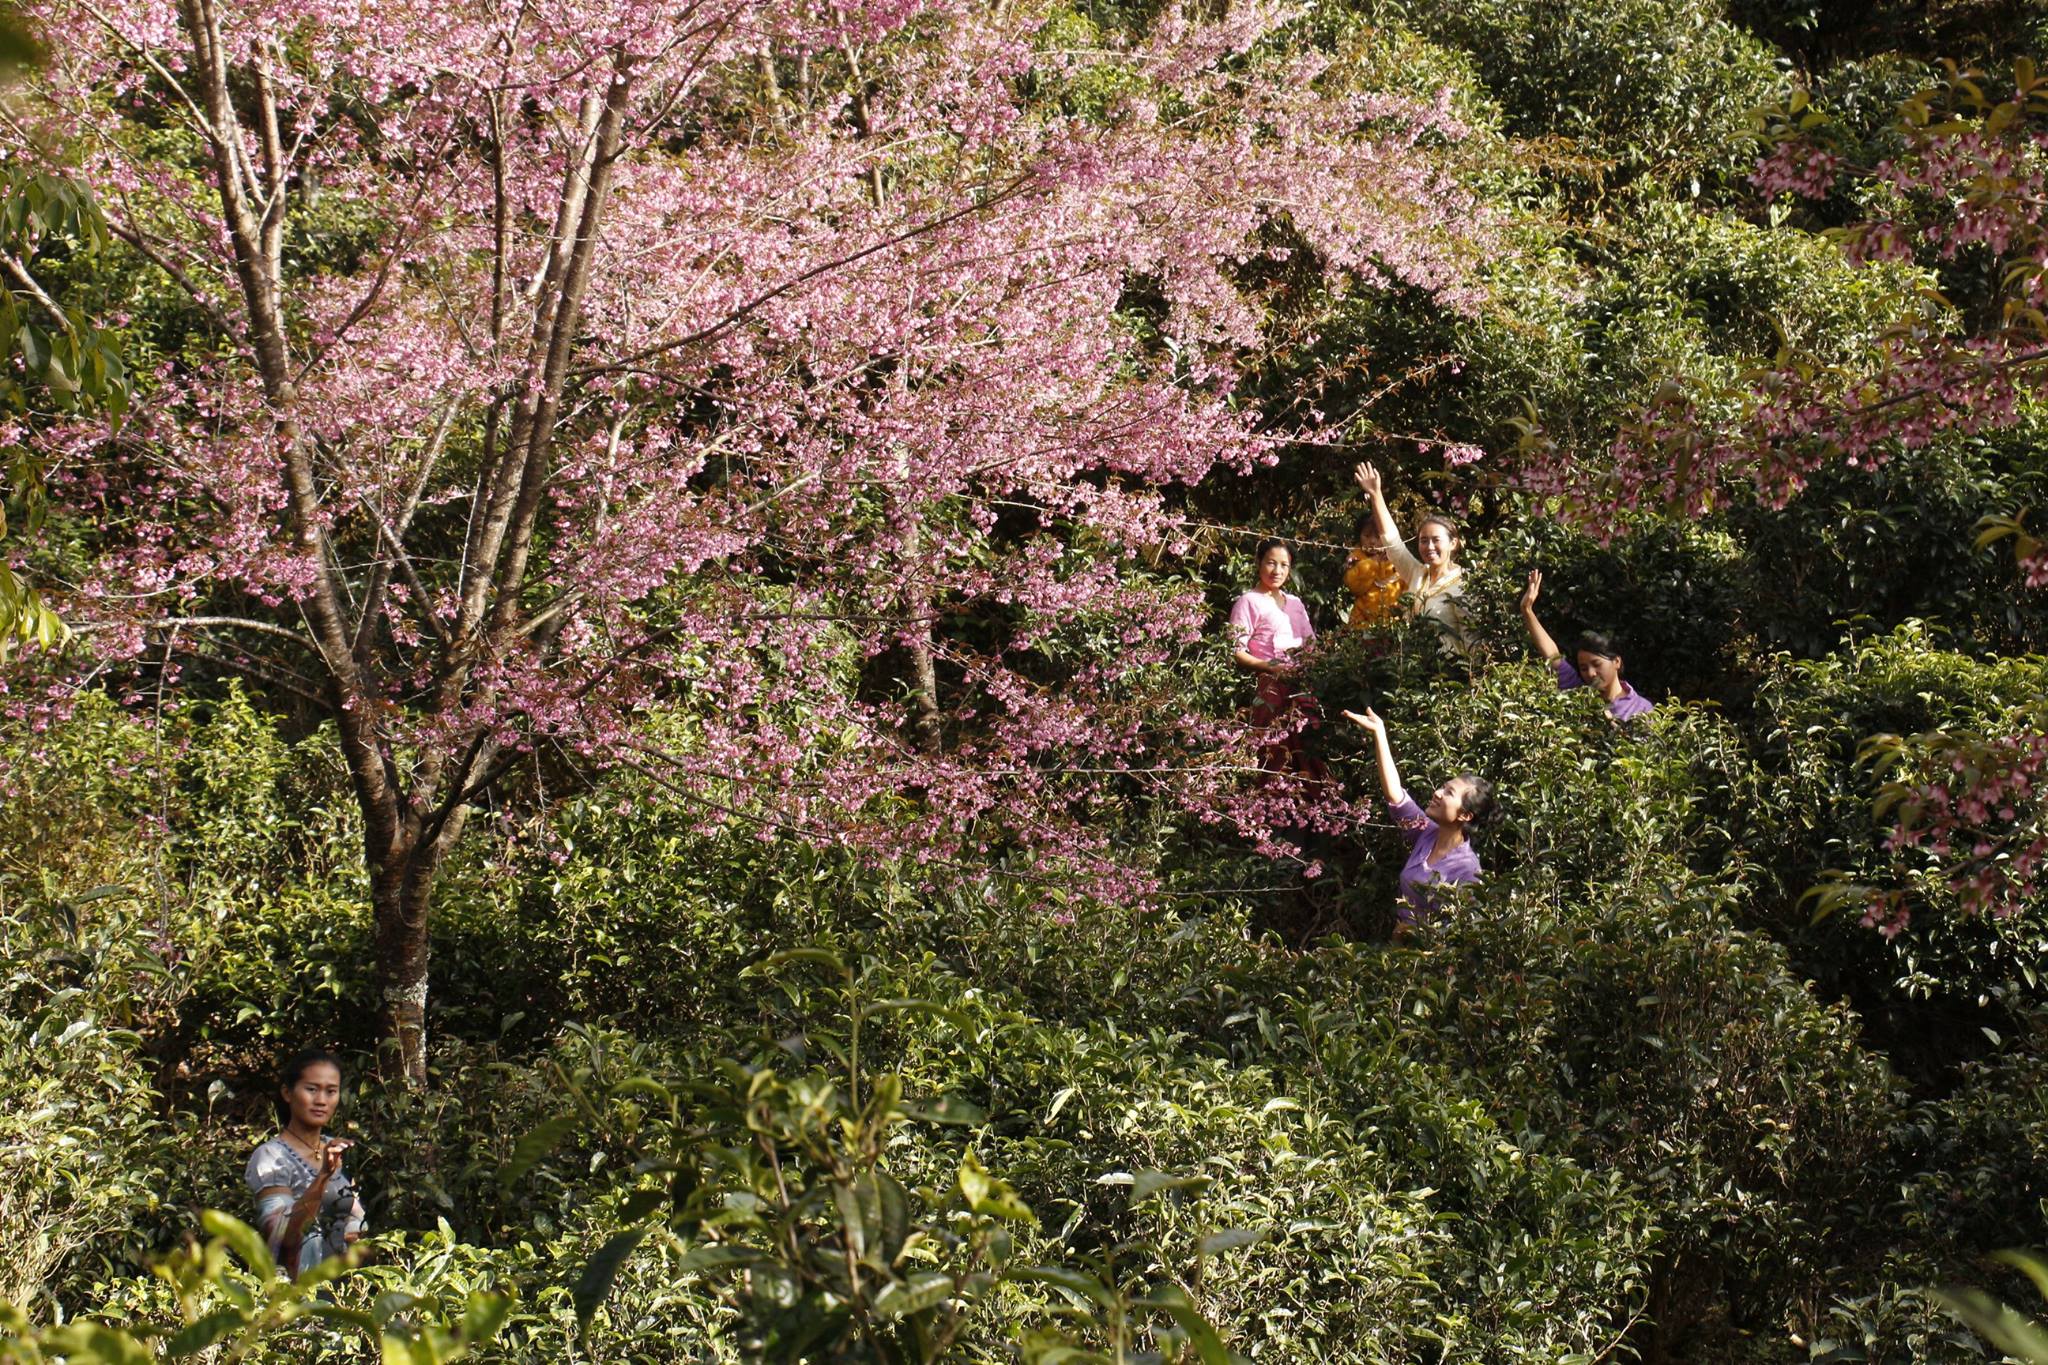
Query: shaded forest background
(1631,1099)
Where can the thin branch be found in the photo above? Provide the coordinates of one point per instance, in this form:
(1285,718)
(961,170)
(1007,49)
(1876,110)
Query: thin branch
(698,798)
(732,319)
(2014,362)
(687,81)
(149,253)
(380,578)
(461,790)
(540,619)
(28,282)
(215,622)
(265,674)
(412,578)
(508,560)
(383,276)
(429,458)
(274,165)
(222,128)
(148,57)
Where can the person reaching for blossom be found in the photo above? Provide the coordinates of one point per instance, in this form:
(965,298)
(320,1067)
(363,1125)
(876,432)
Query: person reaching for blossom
(1431,572)
(1599,662)
(1268,624)
(1440,851)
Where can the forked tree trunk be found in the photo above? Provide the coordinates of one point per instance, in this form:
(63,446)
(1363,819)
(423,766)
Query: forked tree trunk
(410,820)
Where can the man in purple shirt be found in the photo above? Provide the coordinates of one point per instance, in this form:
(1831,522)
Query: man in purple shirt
(1439,853)
(1599,663)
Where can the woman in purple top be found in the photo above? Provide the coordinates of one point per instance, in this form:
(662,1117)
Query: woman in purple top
(1267,625)
(1439,852)
(1599,661)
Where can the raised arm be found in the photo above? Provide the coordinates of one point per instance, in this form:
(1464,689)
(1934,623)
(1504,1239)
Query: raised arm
(1406,566)
(1369,480)
(1544,643)
(1390,776)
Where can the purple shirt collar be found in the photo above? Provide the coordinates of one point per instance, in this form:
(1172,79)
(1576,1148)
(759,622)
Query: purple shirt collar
(1627,706)
(1458,867)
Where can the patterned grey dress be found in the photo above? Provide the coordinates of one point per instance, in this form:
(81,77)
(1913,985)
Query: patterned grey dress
(278,1165)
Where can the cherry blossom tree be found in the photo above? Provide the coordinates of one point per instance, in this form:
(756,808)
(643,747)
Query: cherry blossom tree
(1955,180)
(781,400)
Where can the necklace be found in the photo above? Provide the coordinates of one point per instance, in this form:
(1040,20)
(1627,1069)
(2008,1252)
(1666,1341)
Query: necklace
(299,1144)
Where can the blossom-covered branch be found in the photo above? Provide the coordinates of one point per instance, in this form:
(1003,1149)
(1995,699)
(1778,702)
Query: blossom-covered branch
(813,373)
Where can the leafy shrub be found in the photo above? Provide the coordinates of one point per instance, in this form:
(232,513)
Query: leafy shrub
(1881,546)
(1928,991)
(1596,1110)
(83,1154)
(1666,84)
(225,1299)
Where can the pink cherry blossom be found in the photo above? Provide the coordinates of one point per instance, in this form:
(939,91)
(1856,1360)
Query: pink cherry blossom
(744,394)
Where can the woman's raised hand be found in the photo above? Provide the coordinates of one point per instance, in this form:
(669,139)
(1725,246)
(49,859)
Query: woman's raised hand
(1535,587)
(330,1155)
(1369,721)
(1368,478)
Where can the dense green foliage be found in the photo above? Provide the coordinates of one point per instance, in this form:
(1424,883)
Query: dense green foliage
(1601,1096)
(1630,1098)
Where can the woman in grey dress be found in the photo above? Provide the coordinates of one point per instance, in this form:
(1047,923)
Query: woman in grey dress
(306,1207)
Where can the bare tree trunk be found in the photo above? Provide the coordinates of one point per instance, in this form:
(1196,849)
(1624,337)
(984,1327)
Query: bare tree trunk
(400,897)
(924,676)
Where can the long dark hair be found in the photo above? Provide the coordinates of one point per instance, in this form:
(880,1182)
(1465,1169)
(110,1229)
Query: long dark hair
(1478,802)
(295,1068)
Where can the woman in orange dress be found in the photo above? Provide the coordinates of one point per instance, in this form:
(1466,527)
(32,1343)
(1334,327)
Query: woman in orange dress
(1374,583)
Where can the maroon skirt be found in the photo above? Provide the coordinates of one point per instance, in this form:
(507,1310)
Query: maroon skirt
(1285,706)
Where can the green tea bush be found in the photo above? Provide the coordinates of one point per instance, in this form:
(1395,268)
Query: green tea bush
(1929,991)
(1664,84)
(246,849)
(84,1157)
(1597,1109)
(1882,546)
(224,1300)
(1980,1153)
(1645,1034)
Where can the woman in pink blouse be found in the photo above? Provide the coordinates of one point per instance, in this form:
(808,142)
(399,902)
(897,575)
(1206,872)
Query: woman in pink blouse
(1269,624)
